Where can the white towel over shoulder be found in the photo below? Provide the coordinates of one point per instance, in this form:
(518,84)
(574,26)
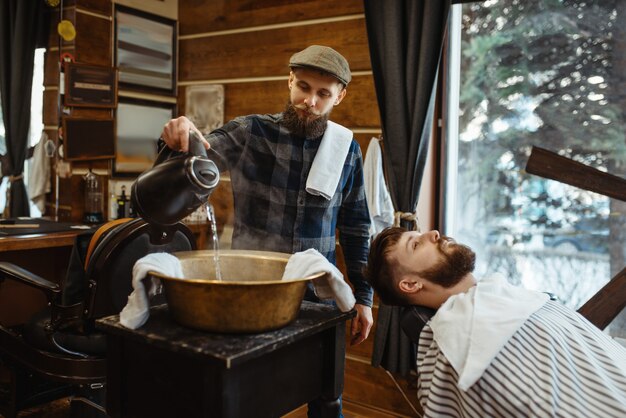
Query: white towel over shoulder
(137,309)
(329,160)
(379,201)
(331,285)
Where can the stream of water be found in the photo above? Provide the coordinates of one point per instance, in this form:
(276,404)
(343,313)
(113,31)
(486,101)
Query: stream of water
(216,245)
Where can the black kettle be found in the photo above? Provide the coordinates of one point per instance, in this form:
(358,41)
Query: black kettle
(173,188)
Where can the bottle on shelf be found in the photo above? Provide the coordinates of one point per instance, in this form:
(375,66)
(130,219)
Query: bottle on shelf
(122,205)
(94,210)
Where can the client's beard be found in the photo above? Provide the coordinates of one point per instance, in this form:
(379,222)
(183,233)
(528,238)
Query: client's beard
(303,126)
(458,261)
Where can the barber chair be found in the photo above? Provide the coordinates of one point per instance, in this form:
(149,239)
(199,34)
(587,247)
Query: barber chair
(413,319)
(59,352)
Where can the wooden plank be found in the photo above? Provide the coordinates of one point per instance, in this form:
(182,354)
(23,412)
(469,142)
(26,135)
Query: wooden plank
(266,52)
(358,110)
(367,385)
(251,98)
(104,7)
(69,13)
(18,226)
(77,201)
(51,67)
(65,191)
(94,164)
(364,141)
(607,303)
(31,242)
(71,199)
(203,16)
(93,44)
(50,107)
(550,165)
(91,113)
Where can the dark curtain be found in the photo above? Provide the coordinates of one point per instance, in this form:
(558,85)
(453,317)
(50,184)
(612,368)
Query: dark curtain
(23,26)
(405,40)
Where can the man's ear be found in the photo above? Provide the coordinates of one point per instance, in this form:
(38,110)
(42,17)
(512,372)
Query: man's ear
(291,78)
(341,95)
(410,285)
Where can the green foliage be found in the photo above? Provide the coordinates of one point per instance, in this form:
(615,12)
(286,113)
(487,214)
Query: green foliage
(538,72)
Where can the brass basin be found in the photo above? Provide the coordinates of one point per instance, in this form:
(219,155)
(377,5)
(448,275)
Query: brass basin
(251,297)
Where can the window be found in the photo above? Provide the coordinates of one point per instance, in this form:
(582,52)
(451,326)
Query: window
(545,73)
(36,125)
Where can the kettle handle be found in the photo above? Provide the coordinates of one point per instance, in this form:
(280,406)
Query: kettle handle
(196,148)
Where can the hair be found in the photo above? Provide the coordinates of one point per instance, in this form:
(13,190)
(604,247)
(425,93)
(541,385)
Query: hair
(381,272)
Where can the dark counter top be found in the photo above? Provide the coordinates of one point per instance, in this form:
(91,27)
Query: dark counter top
(228,349)
(31,226)
(35,233)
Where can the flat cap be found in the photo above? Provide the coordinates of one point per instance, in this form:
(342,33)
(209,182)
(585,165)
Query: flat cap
(323,58)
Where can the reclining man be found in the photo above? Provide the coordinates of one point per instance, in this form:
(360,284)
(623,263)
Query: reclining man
(493,349)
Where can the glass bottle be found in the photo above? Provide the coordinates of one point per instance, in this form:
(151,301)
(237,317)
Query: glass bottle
(93,199)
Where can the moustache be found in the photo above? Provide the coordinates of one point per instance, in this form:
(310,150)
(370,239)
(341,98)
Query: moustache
(307,110)
(445,241)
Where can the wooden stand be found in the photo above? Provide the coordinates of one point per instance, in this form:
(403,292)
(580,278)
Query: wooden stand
(163,369)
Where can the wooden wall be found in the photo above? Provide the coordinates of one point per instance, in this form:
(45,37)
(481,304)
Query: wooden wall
(92,45)
(245,45)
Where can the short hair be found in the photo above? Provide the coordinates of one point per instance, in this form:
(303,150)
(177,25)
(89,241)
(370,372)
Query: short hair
(381,272)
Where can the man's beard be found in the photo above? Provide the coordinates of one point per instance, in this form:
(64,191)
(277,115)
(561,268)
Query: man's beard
(303,126)
(458,261)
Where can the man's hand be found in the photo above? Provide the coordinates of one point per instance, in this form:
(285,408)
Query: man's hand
(361,324)
(176,134)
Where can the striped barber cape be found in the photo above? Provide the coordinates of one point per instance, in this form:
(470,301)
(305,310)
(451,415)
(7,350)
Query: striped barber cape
(556,365)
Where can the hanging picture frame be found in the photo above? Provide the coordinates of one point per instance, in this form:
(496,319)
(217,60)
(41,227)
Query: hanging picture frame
(88,138)
(139,124)
(90,85)
(145,51)
(204,106)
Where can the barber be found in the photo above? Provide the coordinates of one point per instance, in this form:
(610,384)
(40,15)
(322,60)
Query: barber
(296,176)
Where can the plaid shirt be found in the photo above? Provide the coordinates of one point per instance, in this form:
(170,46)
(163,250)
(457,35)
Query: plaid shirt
(268,169)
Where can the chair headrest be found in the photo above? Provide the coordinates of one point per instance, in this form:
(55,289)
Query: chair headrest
(413,319)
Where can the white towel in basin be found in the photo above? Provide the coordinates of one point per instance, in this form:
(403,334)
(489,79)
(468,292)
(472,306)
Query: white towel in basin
(137,309)
(331,285)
